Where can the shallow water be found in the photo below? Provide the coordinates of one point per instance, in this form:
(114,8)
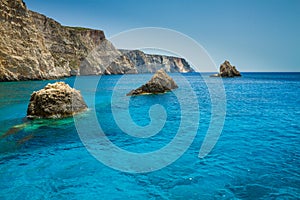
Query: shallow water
(256,156)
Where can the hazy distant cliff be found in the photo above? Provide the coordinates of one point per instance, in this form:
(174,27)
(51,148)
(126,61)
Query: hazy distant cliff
(33,46)
(146,63)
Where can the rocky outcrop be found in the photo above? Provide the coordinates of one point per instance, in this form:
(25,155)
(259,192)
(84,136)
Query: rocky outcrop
(56,100)
(227,70)
(33,46)
(68,46)
(148,63)
(161,82)
(23,53)
(106,59)
(121,65)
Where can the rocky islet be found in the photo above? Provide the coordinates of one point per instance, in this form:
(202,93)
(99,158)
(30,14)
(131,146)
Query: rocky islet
(161,82)
(227,70)
(56,100)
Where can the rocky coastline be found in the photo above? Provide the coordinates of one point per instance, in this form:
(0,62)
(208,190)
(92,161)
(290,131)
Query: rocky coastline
(35,47)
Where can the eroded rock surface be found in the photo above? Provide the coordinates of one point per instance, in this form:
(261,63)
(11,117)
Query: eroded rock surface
(161,82)
(149,63)
(56,100)
(227,70)
(34,47)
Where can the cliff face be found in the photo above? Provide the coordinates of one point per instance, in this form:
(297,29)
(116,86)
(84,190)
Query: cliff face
(23,52)
(67,45)
(146,63)
(33,46)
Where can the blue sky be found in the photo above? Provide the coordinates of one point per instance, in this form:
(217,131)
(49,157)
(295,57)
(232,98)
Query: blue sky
(256,35)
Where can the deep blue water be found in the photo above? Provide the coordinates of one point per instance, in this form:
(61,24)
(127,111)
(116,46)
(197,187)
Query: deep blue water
(256,157)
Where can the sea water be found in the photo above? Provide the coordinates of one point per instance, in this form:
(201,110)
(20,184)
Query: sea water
(256,156)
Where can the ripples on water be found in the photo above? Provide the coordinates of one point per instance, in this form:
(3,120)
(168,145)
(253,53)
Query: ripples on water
(256,157)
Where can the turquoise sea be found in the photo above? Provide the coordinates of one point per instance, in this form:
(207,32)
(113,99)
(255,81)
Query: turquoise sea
(257,155)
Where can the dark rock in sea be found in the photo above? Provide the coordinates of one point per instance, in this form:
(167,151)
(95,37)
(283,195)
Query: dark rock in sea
(56,100)
(227,70)
(161,82)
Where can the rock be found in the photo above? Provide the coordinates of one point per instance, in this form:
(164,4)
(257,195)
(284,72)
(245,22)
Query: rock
(35,47)
(227,70)
(161,82)
(56,100)
(148,63)
(106,59)
(122,65)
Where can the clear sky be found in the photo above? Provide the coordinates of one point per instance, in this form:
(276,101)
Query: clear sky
(255,35)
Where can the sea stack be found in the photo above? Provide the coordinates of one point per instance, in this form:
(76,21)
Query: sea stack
(227,70)
(56,100)
(161,82)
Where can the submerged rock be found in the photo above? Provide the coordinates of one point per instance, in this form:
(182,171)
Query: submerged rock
(161,82)
(56,100)
(227,70)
